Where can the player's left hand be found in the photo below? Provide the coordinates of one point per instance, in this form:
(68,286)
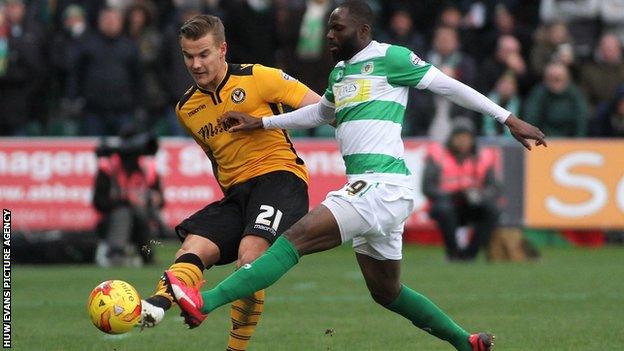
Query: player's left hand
(523,132)
(238,121)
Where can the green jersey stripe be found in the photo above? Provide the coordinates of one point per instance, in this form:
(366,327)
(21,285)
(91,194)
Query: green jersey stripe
(372,110)
(374,163)
(372,67)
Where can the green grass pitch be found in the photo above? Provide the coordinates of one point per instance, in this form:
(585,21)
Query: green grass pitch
(572,299)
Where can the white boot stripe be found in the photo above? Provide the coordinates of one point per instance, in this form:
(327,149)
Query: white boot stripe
(179,294)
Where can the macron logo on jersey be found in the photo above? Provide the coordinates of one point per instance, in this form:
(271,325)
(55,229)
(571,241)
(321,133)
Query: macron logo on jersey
(197,109)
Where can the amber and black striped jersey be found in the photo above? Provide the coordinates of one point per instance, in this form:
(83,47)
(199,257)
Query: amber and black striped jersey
(258,91)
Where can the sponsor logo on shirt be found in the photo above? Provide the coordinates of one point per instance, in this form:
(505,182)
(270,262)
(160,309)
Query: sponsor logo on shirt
(210,130)
(348,91)
(416,61)
(352,92)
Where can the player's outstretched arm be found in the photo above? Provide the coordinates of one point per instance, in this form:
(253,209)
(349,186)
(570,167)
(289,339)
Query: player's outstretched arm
(469,98)
(306,117)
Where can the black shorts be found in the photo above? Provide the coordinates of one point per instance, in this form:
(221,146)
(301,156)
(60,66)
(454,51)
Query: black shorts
(263,206)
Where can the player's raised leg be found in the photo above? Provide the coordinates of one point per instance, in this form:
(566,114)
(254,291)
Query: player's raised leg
(195,253)
(245,313)
(316,231)
(382,280)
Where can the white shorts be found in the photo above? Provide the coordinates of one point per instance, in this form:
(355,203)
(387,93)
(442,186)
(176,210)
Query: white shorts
(373,215)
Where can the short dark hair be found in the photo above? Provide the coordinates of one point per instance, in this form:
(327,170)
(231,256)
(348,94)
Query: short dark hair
(201,25)
(360,11)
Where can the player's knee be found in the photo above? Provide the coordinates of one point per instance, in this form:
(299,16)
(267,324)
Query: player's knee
(386,295)
(382,298)
(181,251)
(208,254)
(247,257)
(250,248)
(189,249)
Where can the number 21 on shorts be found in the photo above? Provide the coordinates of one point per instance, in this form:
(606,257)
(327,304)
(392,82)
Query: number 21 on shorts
(266,212)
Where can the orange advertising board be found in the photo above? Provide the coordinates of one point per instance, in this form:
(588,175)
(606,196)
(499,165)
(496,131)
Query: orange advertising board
(575,184)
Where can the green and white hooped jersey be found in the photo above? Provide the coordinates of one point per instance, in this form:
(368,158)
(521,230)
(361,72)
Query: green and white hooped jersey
(369,93)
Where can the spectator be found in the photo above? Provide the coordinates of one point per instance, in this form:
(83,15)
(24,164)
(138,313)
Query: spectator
(66,41)
(425,14)
(303,51)
(581,19)
(90,7)
(251,27)
(173,75)
(475,15)
(505,24)
(507,59)
(128,196)
(140,28)
(609,121)
(445,55)
(552,43)
(107,77)
(461,186)
(401,32)
(452,16)
(557,105)
(22,69)
(65,118)
(505,94)
(601,77)
(612,16)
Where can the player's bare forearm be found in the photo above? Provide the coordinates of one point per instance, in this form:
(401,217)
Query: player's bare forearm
(523,132)
(238,121)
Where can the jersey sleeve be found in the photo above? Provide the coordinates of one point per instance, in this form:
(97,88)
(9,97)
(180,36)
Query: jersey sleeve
(405,68)
(275,86)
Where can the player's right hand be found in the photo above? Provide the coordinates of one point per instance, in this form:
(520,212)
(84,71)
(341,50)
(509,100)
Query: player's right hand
(523,132)
(238,121)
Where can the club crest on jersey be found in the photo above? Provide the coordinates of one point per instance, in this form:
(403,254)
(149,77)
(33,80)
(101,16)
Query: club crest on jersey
(238,95)
(416,61)
(368,68)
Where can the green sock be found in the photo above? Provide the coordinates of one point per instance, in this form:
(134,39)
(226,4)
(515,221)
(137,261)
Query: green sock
(264,271)
(427,316)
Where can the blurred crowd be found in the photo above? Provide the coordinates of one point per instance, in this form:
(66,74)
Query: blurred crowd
(87,67)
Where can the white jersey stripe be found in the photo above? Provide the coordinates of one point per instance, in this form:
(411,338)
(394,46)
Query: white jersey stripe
(370,137)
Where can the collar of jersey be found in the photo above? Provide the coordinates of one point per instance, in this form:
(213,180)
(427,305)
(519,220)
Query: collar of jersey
(362,54)
(216,99)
